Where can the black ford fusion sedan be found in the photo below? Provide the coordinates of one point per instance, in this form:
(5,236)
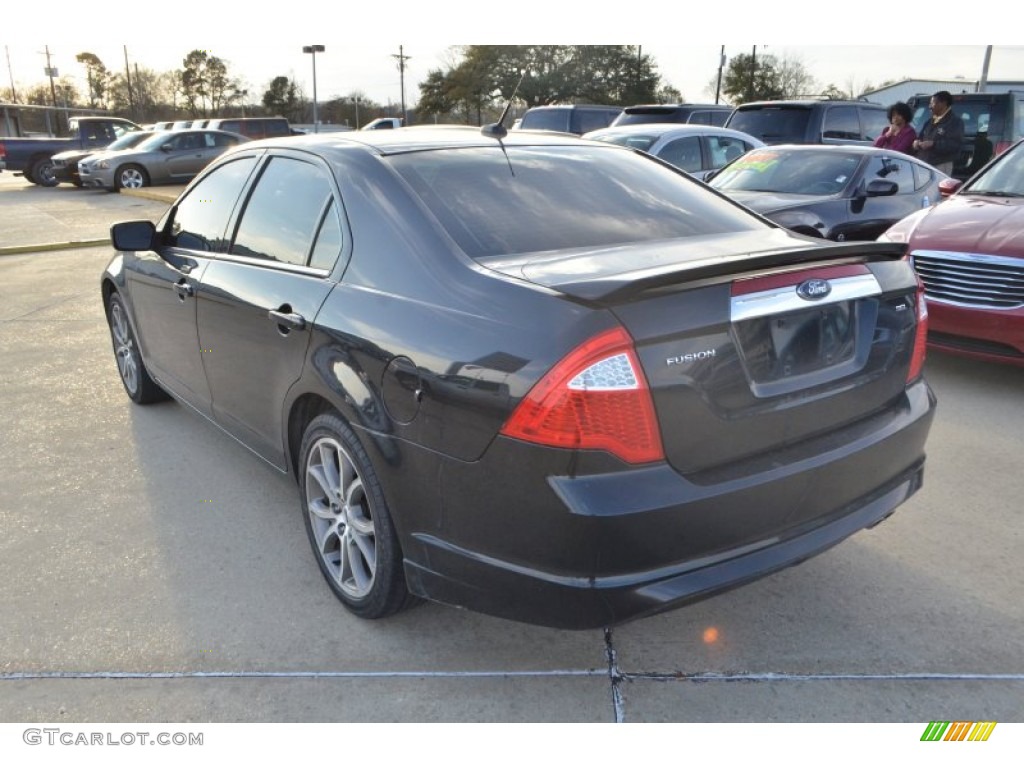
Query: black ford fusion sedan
(834,192)
(538,377)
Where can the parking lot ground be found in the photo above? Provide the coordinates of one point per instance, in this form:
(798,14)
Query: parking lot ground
(155,570)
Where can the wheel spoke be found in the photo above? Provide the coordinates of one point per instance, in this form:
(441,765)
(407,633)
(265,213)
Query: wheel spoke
(357,567)
(322,509)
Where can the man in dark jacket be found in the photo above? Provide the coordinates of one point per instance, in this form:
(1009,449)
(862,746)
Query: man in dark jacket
(940,139)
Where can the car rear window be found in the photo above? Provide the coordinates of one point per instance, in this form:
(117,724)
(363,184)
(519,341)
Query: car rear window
(552,198)
(638,115)
(773,125)
(546,120)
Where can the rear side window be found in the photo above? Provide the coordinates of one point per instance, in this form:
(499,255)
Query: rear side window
(585,120)
(284,212)
(683,153)
(773,125)
(841,123)
(550,198)
(546,120)
(872,123)
(725,149)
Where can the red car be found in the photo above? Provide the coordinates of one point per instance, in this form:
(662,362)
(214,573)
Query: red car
(969,253)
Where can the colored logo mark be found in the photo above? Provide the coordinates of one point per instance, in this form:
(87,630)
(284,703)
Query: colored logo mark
(958,731)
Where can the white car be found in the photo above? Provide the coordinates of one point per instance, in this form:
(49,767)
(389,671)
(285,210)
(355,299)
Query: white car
(696,149)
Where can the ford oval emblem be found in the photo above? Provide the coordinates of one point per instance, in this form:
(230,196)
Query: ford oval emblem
(813,289)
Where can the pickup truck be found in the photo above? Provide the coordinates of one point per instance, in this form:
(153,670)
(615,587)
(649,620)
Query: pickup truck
(32,156)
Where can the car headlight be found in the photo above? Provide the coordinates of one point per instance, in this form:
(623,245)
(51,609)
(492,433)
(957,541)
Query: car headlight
(103,164)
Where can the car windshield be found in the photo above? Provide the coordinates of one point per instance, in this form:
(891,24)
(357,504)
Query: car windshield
(1005,178)
(773,125)
(797,172)
(548,198)
(130,140)
(633,141)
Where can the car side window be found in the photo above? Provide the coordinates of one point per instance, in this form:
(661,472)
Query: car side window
(683,153)
(284,212)
(591,119)
(873,122)
(841,123)
(892,169)
(328,239)
(201,218)
(725,149)
(922,176)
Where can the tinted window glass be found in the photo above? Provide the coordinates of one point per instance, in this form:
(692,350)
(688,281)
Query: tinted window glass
(561,197)
(591,119)
(922,176)
(283,212)
(841,123)
(892,170)
(201,218)
(719,118)
(872,122)
(683,153)
(810,172)
(642,141)
(546,119)
(725,149)
(773,125)
(328,240)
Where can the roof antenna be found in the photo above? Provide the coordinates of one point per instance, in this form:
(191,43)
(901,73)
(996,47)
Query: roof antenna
(498,130)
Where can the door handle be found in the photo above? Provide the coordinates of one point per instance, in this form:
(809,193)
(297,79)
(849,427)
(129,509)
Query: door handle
(291,320)
(183,289)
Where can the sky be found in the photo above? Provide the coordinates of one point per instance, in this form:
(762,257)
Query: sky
(362,41)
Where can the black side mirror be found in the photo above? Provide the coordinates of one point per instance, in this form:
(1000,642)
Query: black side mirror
(133,235)
(882,188)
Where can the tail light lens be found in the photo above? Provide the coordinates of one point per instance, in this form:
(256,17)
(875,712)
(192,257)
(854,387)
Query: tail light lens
(1002,146)
(596,397)
(920,337)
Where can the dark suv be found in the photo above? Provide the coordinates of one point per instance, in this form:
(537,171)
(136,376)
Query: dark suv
(702,114)
(569,118)
(992,122)
(810,121)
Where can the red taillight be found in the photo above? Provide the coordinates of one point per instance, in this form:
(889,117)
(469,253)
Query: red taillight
(1002,146)
(595,398)
(920,338)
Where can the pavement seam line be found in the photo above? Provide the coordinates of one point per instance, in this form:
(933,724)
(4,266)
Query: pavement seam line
(65,300)
(255,674)
(769,677)
(618,704)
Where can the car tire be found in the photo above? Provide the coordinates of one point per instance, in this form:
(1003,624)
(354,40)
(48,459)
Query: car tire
(131,177)
(136,379)
(42,173)
(348,521)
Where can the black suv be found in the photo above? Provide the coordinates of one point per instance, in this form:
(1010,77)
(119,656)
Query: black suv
(810,121)
(992,123)
(569,118)
(702,114)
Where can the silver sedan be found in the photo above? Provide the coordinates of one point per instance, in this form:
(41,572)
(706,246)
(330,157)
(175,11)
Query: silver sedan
(164,158)
(696,149)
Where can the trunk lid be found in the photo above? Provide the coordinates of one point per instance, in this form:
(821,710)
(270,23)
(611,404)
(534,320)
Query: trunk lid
(754,343)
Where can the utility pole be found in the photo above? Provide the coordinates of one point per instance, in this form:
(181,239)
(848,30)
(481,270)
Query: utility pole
(401,69)
(10,73)
(51,73)
(983,83)
(721,66)
(753,70)
(128,75)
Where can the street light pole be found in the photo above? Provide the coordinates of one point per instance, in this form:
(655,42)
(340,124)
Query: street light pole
(314,49)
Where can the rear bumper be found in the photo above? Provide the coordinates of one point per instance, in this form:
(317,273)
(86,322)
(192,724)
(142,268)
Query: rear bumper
(601,549)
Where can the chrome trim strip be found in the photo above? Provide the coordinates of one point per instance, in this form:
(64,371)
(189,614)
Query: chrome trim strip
(1002,261)
(780,300)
